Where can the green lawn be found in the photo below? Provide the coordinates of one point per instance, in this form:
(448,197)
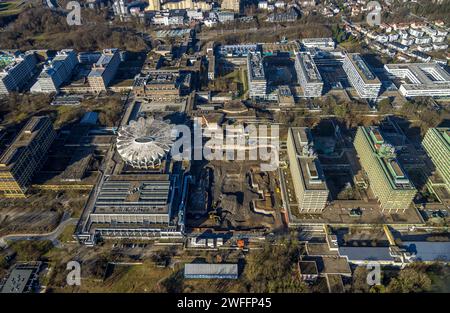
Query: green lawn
(67,234)
(125,278)
(239,76)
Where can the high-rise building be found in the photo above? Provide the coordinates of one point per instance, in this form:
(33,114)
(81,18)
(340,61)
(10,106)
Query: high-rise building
(308,75)
(57,72)
(212,67)
(256,77)
(387,178)
(153,5)
(307,174)
(15,71)
(437,145)
(103,72)
(231,5)
(25,156)
(366,84)
(120,7)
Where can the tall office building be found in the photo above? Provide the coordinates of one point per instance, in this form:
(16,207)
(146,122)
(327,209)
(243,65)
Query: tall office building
(387,178)
(25,156)
(307,174)
(366,84)
(57,72)
(256,76)
(15,71)
(437,145)
(308,75)
(231,5)
(103,72)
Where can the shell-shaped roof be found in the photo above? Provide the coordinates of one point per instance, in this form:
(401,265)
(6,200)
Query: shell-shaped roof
(143,143)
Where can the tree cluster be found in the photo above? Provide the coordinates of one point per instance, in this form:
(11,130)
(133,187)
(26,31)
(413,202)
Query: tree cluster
(41,28)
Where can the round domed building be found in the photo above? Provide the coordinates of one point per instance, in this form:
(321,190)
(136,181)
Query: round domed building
(144,143)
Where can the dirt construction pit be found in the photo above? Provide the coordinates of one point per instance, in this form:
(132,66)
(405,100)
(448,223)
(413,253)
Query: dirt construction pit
(235,187)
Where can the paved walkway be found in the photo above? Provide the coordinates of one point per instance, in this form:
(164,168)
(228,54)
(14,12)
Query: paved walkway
(52,236)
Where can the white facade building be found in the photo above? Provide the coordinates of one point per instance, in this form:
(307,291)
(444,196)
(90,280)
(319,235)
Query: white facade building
(366,84)
(256,76)
(421,79)
(308,75)
(326,43)
(57,72)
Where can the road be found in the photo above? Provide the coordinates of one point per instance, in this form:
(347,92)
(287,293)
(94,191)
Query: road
(52,236)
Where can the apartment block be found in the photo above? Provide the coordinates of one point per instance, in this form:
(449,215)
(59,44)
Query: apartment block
(387,178)
(25,156)
(307,175)
(103,72)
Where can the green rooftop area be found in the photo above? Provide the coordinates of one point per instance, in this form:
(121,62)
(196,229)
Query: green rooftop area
(5,60)
(445,132)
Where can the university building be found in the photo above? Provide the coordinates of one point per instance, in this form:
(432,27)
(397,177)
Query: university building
(25,156)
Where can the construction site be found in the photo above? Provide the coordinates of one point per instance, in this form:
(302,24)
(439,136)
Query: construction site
(234,196)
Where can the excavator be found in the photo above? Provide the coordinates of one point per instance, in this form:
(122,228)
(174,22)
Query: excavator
(214,216)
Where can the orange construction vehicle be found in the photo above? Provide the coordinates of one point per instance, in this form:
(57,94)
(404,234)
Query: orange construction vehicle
(240,243)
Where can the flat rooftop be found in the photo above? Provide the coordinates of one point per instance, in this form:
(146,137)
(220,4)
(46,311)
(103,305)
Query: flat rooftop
(134,197)
(421,76)
(444,135)
(318,40)
(17,281)
(334,283)
(363,69)
(319,249)
(256,67)
(331,264)
(309,68)
(428,251)
(311,170)
(22,140)
(237,50)
(272,48)
(366,253)
(99,67)
(210,269)
(308,268)
(8,62)
(386,156)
